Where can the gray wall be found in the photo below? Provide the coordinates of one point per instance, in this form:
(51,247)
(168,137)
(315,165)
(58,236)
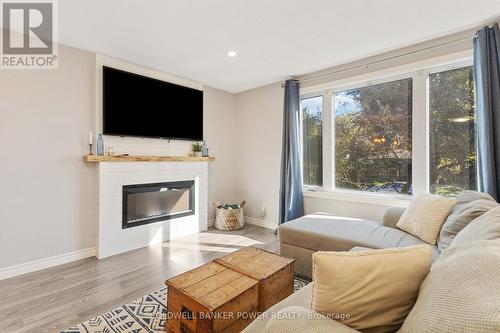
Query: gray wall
(259,119)
(48,195)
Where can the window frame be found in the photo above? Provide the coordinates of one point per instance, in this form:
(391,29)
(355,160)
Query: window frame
(419,73)
(325,154)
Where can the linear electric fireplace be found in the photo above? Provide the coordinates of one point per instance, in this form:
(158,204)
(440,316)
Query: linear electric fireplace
(149,203)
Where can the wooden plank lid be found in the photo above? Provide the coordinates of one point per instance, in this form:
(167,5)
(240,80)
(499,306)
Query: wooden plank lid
(254,262)
(212,284)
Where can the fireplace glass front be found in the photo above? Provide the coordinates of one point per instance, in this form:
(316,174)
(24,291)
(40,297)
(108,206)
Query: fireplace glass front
(149,203)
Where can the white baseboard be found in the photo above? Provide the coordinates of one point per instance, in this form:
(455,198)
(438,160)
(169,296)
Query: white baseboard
(36,265)
(261,223)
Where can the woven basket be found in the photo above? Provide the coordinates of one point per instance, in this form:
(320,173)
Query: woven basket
(227,218)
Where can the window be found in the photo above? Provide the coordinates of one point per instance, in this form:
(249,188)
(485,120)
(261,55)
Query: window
(373,138)
(452,160)
(312,140)
(389,137)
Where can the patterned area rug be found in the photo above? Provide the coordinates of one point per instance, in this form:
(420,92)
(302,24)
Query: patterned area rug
(144,315)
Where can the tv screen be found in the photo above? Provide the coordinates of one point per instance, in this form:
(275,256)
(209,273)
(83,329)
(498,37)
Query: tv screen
(136,105)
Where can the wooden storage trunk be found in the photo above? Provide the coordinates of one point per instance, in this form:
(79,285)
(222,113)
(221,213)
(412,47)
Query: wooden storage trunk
(274,273)
(211,299)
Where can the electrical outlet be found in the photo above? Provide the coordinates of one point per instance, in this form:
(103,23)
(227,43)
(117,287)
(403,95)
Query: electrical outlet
(263,211)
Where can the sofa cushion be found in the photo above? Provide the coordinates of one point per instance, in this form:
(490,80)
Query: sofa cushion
(371,291)
(469,206)
(323,232)
(302,256)
(425,215)
(392,216)
(359,249)
(299,319)
(485,227)
(461,293)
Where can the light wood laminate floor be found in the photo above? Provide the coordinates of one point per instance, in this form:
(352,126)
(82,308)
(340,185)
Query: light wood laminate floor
(56,298)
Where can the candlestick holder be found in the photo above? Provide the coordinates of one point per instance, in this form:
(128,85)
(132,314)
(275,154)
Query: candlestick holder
(91,149)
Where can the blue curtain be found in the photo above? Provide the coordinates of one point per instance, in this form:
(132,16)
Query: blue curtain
(291,205)
(487,78)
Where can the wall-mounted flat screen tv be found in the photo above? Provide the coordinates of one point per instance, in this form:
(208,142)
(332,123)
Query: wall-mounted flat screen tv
(136,105)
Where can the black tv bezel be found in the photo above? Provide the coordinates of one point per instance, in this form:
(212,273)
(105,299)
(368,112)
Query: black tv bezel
(147,136)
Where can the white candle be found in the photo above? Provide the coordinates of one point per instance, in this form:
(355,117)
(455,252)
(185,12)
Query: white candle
(91,138)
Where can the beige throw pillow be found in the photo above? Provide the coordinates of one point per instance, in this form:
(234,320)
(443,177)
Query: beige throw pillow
(485,227)
(470,205)
(461,293)
(371,291)
(425,215)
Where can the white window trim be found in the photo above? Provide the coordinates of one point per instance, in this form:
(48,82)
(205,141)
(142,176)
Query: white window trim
(324,153)
(328,146)
(419,72)
(391,72)
(383,199)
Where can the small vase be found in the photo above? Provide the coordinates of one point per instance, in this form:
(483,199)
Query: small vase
(197,153)
(204,149)
(100,145)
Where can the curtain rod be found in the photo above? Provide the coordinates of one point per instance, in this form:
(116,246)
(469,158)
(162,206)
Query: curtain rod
(384,60)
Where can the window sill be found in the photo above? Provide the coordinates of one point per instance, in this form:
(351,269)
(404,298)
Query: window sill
(393,200)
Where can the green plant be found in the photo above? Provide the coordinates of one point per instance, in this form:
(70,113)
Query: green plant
(197,147)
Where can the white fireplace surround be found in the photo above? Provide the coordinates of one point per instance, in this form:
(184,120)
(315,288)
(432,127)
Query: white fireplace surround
(112,239)
(112,176)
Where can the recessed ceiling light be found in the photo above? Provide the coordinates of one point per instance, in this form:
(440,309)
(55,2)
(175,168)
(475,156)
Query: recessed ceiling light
(231,54)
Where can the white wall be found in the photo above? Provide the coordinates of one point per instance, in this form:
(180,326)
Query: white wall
(220,131)
(48,195)
(259,123)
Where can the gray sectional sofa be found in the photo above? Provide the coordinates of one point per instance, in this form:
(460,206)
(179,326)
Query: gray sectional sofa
(300,238)
(461,293)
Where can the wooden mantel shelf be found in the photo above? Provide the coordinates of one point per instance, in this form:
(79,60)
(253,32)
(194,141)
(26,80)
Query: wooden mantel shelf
(131,158)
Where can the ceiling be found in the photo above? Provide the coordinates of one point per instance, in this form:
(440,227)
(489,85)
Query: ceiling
(274,39)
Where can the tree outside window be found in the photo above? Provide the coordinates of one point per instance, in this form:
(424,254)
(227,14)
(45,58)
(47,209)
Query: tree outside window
(312,140)
(373,138)
(452,162)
